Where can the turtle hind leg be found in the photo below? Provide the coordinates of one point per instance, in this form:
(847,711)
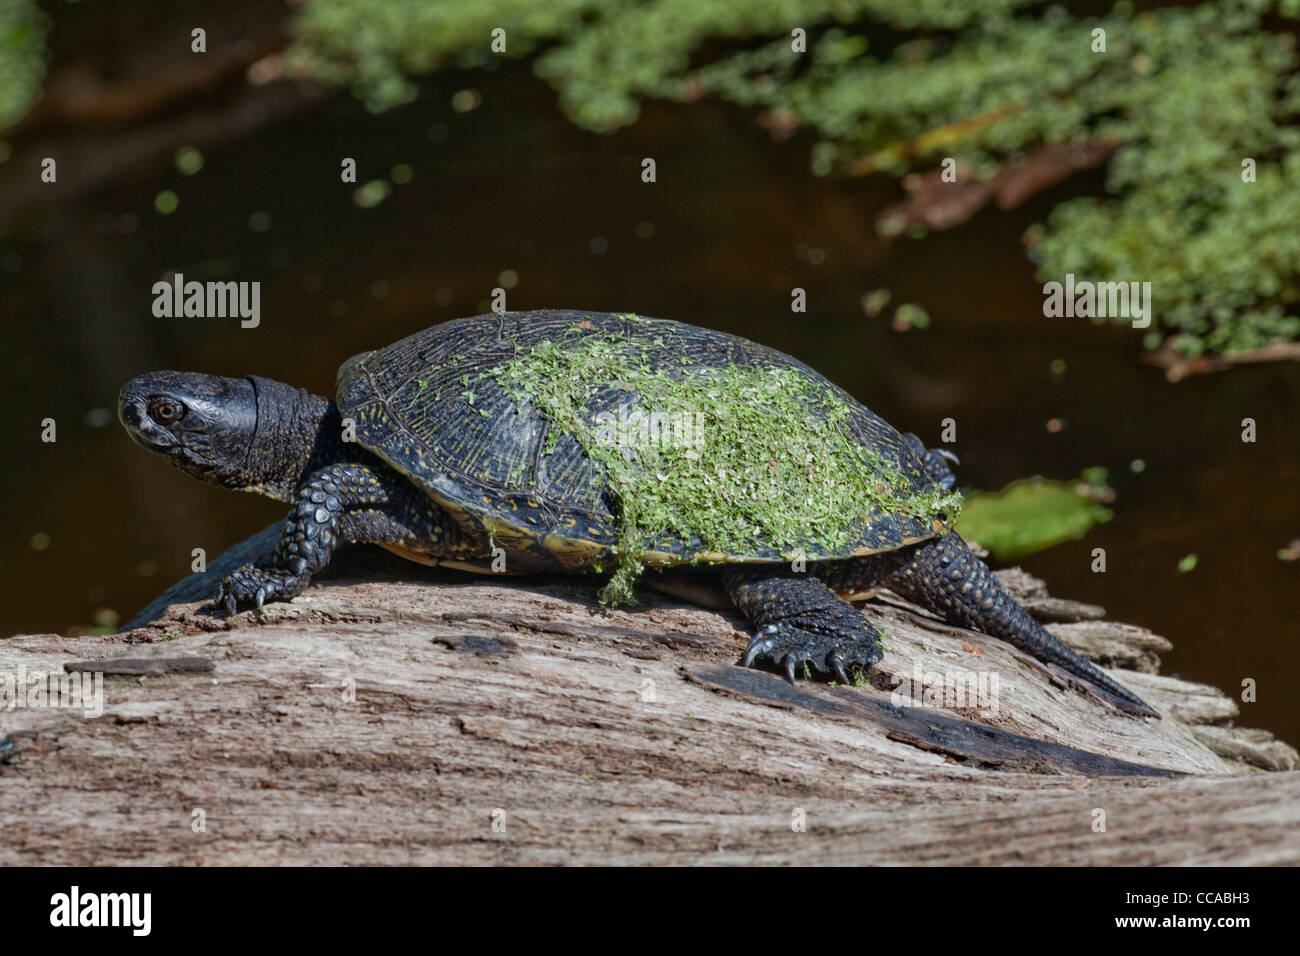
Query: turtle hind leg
(938,462)
(801,622)
(946,577)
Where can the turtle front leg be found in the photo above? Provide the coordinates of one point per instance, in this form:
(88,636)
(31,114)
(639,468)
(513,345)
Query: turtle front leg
(315,526)
(802,621)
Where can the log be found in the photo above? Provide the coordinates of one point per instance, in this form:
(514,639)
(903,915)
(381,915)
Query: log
(400,714)
(1118,645)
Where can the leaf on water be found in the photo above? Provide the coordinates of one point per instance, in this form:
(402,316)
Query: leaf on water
(1029,515)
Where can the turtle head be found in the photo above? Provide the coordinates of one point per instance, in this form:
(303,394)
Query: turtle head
(250,434)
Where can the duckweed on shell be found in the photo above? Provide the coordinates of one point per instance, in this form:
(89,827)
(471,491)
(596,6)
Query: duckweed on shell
(742,456)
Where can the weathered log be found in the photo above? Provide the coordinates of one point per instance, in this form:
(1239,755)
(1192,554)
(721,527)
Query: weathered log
(1115,644)
(1250,746)
(401,714)
(141,666)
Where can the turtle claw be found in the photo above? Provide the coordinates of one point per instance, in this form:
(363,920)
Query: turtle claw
(762,644)
(256,586)
(788,647)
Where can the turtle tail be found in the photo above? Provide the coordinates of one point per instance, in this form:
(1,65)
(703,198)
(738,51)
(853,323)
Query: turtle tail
(946,577)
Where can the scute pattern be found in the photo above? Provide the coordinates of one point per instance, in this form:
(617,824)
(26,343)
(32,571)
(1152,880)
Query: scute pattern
(424,405)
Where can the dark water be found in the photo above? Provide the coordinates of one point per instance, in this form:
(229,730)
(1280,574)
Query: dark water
(733,223)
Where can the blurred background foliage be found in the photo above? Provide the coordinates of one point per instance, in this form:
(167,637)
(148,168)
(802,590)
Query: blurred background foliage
(22,57)
(1186,94)
(1176,102)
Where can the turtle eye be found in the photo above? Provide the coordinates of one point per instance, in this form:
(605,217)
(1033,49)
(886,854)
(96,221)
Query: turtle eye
(165,411)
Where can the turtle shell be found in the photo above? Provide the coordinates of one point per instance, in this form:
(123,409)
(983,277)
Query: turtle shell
(432,408)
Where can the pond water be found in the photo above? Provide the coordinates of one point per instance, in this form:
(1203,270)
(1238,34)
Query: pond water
(510,191)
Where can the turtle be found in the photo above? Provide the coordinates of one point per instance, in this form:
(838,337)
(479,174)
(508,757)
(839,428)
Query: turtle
(483,444)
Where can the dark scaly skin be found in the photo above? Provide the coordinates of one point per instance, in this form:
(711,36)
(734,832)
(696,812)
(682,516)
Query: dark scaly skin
(309,537)
(801,621)
(949,579)
(944,576)
(341,503)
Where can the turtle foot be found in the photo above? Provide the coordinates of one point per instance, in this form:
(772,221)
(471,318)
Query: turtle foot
(790,648)
(255,586)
